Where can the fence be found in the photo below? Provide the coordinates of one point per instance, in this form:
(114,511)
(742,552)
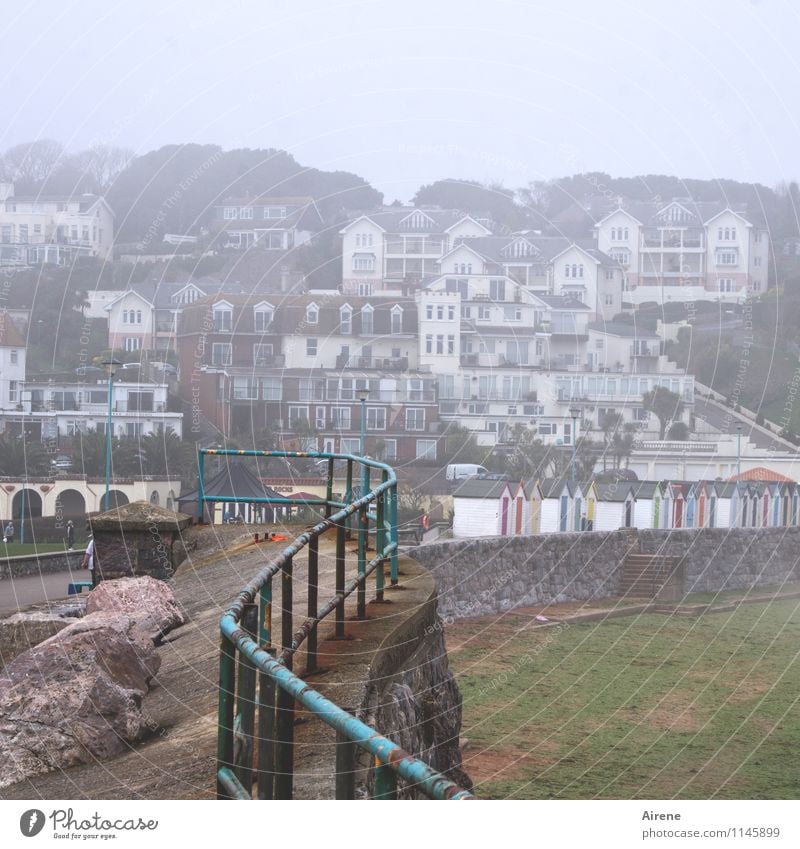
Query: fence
(257,687)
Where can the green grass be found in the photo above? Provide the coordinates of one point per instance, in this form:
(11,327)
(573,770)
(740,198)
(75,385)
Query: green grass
(648,707)
(15,549)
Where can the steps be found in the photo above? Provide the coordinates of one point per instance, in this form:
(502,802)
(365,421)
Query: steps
(652,576)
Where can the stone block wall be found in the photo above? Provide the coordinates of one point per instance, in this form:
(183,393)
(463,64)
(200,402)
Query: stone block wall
(39,564)
(480,576)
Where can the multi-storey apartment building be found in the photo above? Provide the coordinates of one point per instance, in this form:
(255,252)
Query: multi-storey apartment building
(398,247)
(300,366)
(270,223)
(684,250)
(12,362)
(53,229)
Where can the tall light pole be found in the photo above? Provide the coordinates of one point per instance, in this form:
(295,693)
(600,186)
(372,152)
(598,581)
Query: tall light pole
(738,451)
(362,397)
(574,412)
(111,364)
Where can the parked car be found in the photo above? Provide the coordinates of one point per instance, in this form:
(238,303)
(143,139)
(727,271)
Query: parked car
(62,462)
(460,471)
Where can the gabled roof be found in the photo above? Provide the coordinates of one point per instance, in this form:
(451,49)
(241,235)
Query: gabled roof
(645,489)
(481,488)
(463,218)
(760,473)
(552,487)
(614,491)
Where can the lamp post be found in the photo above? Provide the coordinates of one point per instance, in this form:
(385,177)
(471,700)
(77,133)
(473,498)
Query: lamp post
(362,445)
(738,451)
(574,413)
(111,364)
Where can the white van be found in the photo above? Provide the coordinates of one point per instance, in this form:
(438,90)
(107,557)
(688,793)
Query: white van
(459,471)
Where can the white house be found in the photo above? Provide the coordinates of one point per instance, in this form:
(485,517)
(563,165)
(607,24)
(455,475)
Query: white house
(12,363)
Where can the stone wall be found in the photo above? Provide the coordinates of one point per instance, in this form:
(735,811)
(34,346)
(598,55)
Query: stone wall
(37,564)
(413,698)
(726,559)
(492,574)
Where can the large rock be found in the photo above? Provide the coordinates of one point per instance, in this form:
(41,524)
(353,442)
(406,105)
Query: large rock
(74,698)
(23,631)
(148,601)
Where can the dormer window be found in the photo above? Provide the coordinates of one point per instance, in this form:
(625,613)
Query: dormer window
(230,213)
(397,319)
(367,323)
(346,320)
(312,314)
(262,317)
(222,314)
(246,212)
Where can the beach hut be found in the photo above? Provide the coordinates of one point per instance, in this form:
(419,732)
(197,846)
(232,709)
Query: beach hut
(647,503)
(533,513)
(590,499)
(481,508)
(519,500)
(615,506)
(558,505)
(721,507)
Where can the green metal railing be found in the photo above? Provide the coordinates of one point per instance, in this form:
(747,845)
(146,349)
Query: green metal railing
(257,687)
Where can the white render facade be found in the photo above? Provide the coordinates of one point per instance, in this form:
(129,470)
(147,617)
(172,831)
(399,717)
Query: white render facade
(49,229)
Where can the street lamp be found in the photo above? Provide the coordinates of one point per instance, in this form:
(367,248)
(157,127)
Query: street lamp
(362,397)
(111,364)
(738,451)
(574,412)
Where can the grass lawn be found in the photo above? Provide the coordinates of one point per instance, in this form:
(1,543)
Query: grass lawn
(643,707)
(16,548)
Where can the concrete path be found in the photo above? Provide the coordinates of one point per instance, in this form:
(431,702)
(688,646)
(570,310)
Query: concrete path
(19,593)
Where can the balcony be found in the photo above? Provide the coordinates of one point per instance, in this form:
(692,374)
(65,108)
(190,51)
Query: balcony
(382,363)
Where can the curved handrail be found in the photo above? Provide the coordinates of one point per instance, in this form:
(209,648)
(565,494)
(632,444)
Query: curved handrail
(246,630)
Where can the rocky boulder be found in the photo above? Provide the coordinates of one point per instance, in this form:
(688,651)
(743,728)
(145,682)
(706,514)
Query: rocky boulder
(75,697)
(23,631)
(147,601)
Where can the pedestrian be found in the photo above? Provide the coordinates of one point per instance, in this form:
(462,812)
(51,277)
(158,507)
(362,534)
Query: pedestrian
(88,560)
(9,532)
(70,535)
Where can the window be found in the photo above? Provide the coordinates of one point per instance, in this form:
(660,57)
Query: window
(497,290)
(340,418)
(608,300)
(727,258)
(364,290)
(512,313)
(246,212)
(363,263)
(451,344)
(263,318)
(429,343)
(429,312)
(262,355)
(484,313)
(133,430)
(222,319)
(366,320)
(23,234)
(124,316)
(390,449)
(350,446)
(726,284)
(297,415)
(133,343)
(245,389)
(320,418)
(397,320)
(221,354)
(312,314)
(311,347)
(757,262)
(451,313)
(140,402)
(345,320)
(230,212)
(12,391)
(14,357)
(426,449)
(439,344)
(415,418)
(274,212)
(271,389)
(376,418)
(138,316)
(311,389)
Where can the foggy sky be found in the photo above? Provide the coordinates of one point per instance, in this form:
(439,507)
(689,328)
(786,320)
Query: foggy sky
(407,92)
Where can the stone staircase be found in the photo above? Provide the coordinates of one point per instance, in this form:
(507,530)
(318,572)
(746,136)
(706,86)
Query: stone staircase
(652,576)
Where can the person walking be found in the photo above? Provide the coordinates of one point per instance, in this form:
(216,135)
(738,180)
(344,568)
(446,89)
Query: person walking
(70,535)
(9,532)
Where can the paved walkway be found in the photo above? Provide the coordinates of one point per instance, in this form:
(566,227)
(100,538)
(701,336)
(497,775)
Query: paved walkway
(177,761)
(19,593)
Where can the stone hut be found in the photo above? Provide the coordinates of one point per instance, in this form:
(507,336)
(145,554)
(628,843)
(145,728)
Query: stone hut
(138,539)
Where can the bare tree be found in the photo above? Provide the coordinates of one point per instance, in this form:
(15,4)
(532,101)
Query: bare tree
(31,163)
(101,165)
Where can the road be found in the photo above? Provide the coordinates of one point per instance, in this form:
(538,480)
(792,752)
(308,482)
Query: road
(725,421)
(18,593)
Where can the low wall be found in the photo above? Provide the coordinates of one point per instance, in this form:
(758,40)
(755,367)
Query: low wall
(729,559)
(39,564)
(493,574)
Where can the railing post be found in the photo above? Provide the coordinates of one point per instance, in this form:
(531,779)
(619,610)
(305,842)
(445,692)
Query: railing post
(380,545)
(345,767)
(329,489)
(284,722)
(227,689)
(385,786)
(348,493)
(201,464)
(313,593)
(340,534)
(266,736)
(393,532)
(246,705)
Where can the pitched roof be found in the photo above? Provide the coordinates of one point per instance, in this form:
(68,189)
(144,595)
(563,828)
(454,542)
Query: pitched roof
(481,488)
(760,473)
